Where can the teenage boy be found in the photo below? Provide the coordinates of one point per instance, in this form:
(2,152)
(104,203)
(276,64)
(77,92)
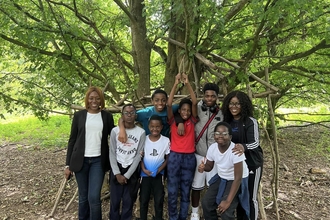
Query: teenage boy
(209,115)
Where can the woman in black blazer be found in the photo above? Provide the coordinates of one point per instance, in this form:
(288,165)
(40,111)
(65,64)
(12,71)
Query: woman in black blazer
(88,152)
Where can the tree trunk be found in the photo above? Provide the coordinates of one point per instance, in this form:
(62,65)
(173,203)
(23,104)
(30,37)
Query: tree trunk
(172,67)
(140,48)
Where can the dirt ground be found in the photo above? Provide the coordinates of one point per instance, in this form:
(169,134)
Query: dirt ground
(30,178)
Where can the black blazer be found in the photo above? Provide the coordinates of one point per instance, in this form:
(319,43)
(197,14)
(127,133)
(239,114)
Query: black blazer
(76,145)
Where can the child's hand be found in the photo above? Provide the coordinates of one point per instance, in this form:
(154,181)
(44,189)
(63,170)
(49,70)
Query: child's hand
(121,179)
(201,167)
(223,206)
(122,136)
(148,172)
(180,130)
(178,78)
(184,78)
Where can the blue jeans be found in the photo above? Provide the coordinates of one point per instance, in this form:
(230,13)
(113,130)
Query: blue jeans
(90,180)
(181,170)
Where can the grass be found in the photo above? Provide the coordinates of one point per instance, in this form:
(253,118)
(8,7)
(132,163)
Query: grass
(302,116)
(316,137)
(29,130)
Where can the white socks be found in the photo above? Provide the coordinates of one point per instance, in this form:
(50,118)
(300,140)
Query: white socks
(194,209)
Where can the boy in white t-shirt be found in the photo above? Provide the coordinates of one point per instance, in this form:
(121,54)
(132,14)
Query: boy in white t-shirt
(156,151)
(225,188)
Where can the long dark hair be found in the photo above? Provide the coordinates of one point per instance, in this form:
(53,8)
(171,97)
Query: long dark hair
(245,102)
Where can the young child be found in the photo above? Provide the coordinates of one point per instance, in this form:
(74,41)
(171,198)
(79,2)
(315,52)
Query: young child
(124,160)
(156,150)
(232,171)
(182,161)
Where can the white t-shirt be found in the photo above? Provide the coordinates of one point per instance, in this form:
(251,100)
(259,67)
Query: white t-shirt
(126,152)
(225,161)
(93,136)
(154,154)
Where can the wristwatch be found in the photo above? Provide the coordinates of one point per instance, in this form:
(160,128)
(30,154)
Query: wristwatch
(66,167)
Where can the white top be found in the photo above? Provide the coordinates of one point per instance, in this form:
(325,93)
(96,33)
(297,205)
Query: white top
(225,161)
(126,152)
(93,136)
(154,154)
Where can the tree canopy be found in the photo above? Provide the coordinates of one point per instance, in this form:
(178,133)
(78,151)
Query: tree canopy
(51,50)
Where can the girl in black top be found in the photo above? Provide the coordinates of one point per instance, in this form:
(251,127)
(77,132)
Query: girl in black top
(237,109)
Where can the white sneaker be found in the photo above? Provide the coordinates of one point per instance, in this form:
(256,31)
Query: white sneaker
(194,216)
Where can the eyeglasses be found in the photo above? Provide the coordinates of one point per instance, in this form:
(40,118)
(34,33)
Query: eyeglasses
(129,113)
(236,104)
(223,134)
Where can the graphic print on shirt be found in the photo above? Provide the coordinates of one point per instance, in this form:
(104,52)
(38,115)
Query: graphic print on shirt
(154,153)
(130,147)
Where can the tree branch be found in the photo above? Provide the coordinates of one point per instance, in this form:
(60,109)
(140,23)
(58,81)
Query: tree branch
(35,49)
(30,104)
(304,75)
(124,8)
(321,45)
(250,74)
(235,10)
(309,123)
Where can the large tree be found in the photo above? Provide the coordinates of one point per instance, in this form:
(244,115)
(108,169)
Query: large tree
(53,50)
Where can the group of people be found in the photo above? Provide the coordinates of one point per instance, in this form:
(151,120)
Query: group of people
(193,145)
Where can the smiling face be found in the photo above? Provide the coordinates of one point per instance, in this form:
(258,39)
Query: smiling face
(159,101)
(155,127)
(185,111)
(94,102)
(210,98)
(235,108)
(222,136)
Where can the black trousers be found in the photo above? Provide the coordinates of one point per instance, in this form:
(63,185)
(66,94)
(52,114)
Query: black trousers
(122,197)
(152,186)
(209,202)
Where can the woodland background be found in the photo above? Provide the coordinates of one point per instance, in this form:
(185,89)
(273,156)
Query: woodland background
(51,51)
(275,50)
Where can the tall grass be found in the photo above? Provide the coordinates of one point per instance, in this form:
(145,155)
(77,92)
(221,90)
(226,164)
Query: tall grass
(29,130)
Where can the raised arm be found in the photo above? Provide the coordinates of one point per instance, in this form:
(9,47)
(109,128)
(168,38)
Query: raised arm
(171,97)
(122,136)
(192,95)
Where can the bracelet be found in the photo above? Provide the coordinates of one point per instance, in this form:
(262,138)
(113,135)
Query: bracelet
(66,167)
